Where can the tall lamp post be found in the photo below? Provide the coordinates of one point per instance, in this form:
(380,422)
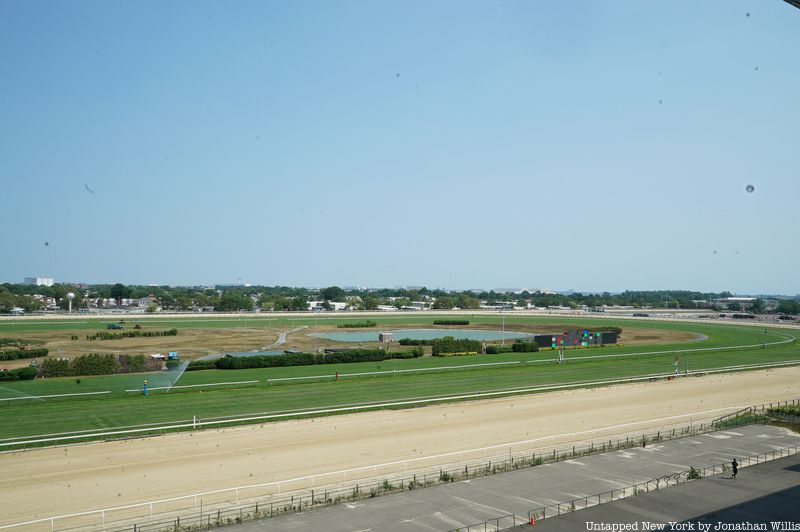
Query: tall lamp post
(504,326)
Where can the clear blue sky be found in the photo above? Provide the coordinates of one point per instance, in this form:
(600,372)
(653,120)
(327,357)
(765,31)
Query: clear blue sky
(586,145)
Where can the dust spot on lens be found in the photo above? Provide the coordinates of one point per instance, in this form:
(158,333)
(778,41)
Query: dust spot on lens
(750,188)
(715,252)
(46,243)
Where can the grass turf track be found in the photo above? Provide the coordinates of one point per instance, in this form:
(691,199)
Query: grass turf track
(27,418)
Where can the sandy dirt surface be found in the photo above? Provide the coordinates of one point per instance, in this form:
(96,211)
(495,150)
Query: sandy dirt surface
(64,480)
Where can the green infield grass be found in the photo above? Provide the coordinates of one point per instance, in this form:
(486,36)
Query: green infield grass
(389,380)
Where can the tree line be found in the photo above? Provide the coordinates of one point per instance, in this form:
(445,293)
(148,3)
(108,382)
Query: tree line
(283,298)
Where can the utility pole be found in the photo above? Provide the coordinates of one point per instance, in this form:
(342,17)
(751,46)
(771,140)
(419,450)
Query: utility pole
(504,327)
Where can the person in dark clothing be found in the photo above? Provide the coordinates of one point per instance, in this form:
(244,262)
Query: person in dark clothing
(735,467)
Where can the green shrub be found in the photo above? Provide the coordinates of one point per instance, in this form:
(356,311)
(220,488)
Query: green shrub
(136,363)
(409,341)
(27,374)
(525,347)
(196,365)
(310,359)
(103,335)
(448,344)
(10,341)
(357,324)
(23,353)
(497,349)
(94,364)
(451,322)
(55,367)
(19,374)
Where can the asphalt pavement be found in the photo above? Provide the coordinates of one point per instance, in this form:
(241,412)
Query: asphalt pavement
(457,505)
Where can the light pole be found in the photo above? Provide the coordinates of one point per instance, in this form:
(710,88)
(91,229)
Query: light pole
(504,327)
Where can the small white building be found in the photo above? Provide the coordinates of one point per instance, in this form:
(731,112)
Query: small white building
(318,306)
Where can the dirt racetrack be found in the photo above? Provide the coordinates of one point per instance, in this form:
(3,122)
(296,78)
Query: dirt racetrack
(65,480)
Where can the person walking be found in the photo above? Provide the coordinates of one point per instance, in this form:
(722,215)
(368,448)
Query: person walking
(735,467)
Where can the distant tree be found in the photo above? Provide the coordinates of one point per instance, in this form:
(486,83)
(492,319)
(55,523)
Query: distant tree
(183,302)
(7,302)
(119,292)
(30,304)
(788,307)
(231,301)
(369,302)
(757,306)
(298,303)
(465,301)
(444,302)
(332,293)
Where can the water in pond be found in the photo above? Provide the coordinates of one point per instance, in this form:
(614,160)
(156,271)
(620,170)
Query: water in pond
(422,334)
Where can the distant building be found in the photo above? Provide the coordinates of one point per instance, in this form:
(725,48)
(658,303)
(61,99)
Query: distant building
(728,302)
(318,306)
(39,281)
(385,337)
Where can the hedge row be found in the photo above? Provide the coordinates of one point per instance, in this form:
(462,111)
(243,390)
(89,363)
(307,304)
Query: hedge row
(196,365)
(458,354)
(128,334)
(525,347)
(451,322)
(497,349)
(357,324)
(19,374)
(10,341)
(23,353)
(448,344)
(410,341)
(310,359)
(94,364)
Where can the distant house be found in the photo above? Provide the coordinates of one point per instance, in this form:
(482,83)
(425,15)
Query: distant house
(17,311)
(317,306)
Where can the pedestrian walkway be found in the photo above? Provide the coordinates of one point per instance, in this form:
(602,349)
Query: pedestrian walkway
(472,501)
(761,494)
